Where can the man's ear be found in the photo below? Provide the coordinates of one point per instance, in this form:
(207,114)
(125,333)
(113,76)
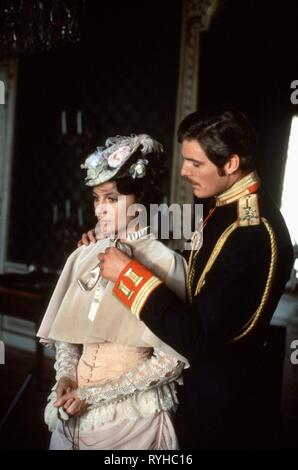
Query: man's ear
(232,165)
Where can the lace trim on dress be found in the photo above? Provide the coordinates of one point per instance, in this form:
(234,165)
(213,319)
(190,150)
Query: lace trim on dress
(155,371)
(67,358)
(141,392)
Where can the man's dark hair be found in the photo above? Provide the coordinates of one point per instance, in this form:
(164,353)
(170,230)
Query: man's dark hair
(221,136)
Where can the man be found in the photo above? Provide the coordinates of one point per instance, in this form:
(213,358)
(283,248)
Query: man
(234,283)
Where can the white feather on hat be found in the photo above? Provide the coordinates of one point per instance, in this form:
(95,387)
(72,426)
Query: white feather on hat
(104,164)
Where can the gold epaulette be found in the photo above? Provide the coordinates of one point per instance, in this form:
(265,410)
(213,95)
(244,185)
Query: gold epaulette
(248,210)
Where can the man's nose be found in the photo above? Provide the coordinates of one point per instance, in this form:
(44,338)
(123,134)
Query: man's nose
(185,170)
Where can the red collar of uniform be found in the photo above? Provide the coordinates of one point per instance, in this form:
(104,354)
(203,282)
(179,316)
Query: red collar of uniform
(247,185)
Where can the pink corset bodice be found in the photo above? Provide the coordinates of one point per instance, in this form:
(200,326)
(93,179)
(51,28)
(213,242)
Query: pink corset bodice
(102,361)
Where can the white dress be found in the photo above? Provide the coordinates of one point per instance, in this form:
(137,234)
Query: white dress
(128,384)
(131,395)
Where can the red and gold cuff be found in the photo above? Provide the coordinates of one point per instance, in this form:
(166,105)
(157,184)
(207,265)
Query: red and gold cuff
(134,285)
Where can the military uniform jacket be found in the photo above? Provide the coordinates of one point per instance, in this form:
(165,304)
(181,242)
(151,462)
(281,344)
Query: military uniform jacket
(235,280)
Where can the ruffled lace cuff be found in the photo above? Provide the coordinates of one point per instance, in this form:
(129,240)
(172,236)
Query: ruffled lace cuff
(159,369)
(67,358)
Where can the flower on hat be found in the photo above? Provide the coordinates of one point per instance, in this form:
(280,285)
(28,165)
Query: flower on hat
(138,169)
(106,161)
(94,160)
(119,156)
(95,164)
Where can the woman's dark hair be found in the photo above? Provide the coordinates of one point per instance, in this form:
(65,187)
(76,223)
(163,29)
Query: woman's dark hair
(148,189)
(221,136)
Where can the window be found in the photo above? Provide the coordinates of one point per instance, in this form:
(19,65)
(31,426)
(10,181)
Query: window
(289,199)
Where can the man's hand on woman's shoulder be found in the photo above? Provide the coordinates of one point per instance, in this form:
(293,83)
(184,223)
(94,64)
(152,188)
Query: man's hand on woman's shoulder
(87,238)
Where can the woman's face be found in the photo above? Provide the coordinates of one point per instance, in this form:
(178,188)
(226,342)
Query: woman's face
(111,208)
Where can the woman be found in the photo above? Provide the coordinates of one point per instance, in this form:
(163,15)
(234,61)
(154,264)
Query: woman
(115,380)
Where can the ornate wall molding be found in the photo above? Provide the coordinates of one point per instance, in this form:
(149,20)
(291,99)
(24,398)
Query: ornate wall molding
(8,74)
(197,15)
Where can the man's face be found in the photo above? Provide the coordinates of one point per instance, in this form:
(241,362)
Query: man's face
(201,172)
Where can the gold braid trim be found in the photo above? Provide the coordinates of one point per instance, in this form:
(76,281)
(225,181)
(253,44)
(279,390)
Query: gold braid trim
(216,250)
(143,294)
(253,320)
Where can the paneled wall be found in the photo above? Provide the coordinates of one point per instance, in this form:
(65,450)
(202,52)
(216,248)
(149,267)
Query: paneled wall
(122,78)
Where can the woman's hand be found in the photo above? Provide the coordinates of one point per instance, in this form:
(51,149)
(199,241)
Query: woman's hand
(87,238)
(72,404)
(65,385)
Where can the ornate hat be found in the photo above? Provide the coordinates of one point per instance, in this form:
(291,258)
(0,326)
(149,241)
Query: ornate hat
(121,156)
